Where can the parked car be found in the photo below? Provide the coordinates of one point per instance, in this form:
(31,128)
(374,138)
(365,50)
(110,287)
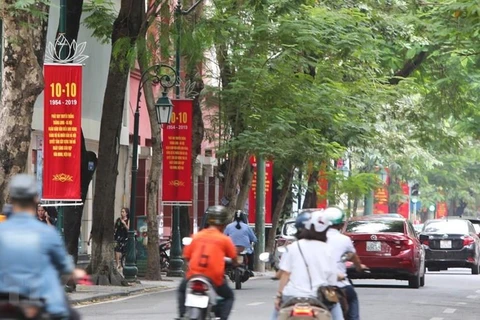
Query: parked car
(451,243)
(389,247)
(286,236)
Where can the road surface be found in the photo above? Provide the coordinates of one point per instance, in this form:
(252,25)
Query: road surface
(447,295)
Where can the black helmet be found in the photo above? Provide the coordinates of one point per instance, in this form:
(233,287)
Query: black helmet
(217,216)
(23,187)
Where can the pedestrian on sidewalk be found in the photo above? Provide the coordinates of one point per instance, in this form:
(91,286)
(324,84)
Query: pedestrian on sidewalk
(121,236)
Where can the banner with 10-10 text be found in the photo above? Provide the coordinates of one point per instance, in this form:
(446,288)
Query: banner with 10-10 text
(62,132)
(177,155)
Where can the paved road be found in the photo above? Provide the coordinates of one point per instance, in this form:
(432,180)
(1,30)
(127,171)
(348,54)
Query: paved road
(448,295)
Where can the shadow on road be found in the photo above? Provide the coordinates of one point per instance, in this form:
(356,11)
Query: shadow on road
(385,286)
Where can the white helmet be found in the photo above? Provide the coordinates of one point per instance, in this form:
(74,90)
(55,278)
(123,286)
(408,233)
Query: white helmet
(318,220)
(335,215)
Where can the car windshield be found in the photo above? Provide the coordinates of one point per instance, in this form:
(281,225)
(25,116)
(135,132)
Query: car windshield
(375,226)
(289,229)
(418,227)
(450,226)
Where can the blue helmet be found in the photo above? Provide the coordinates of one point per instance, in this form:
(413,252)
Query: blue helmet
(301,219)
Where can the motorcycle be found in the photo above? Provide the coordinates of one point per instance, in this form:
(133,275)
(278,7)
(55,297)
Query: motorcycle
(202,301)
(15,307)
(240,273)
(303,309)
(21,308)
(164,250)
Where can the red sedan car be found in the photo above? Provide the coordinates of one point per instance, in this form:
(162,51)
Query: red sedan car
(389,247)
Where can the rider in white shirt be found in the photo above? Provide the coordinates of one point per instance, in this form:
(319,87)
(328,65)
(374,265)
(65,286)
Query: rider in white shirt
(299,281)
(341,244)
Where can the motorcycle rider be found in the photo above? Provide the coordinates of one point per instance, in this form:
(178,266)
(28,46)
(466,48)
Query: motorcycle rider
(302,272)
(243,236)
(205,256)
(32,254)
(299,226)
(340,244)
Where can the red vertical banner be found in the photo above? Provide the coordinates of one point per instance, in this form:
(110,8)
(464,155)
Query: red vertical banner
(442,210)
(177,154)
(403,205)
(62,132)
(252,197)
(381,197)
(322,190)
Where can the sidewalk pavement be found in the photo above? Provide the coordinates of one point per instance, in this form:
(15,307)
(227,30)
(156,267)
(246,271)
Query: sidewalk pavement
(92,294)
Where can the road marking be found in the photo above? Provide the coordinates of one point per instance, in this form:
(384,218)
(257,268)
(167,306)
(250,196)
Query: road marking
(461,303)
(449,310)
(255,303)
(472,297)
(436,319)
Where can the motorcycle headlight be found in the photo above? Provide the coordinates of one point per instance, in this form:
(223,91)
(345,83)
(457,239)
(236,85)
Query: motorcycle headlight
(240,259)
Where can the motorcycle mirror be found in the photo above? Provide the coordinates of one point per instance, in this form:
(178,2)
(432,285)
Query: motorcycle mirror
(264,257)
(282,249)
(186,241)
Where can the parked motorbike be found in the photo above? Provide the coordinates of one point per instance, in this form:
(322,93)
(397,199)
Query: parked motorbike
(164,250)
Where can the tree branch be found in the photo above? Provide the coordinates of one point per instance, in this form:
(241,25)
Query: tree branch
(408,68)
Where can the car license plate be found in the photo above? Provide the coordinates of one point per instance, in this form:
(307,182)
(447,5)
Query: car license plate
(374,246)
(445,244)
(196,301)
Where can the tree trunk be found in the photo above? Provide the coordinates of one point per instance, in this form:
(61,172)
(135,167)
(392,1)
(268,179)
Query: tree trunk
(72,216)
(355,207)
(286,187)
(72,221)
(126,26)
(236,165)
(22,82)
(153,260)
(310,200)
(245,185)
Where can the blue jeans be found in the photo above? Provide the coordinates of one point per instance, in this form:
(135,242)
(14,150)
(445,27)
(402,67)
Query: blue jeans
(353,305)
(336,311)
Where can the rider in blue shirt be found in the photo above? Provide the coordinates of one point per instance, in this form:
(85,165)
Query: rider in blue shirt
(32,253)
(242,235)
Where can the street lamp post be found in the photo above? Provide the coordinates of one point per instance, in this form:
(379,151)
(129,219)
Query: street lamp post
(414,201)
(176,262)
(163,108)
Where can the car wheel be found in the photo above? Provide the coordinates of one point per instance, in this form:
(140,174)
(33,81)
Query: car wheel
(422,281)
(414,281)
(475,269)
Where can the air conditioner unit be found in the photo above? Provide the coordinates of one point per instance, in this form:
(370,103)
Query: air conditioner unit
(145,152)
(198,167)
(209,172)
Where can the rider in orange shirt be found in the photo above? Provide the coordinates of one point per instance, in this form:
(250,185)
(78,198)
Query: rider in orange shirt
(205,256)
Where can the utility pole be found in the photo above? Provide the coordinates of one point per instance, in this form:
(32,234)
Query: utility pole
(61,42)
(260,213)
(176,262)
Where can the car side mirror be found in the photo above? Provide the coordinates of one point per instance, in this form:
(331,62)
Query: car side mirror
(423,237)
